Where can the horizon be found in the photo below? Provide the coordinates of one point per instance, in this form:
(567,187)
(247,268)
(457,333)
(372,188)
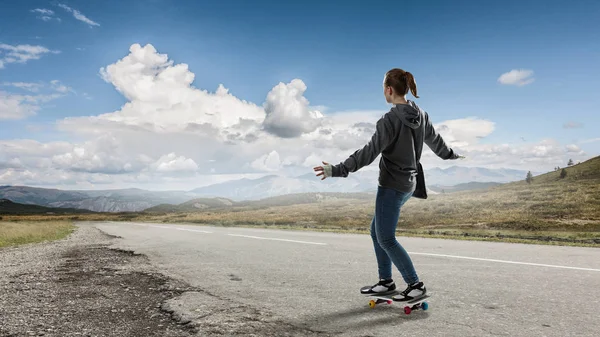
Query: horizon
(162,96)
(535,173)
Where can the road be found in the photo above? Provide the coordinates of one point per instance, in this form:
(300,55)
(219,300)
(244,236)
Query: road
(312,280)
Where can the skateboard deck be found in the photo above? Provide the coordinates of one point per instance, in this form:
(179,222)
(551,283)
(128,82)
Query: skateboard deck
(409,306)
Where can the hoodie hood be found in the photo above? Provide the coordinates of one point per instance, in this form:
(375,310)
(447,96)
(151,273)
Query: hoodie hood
(409,114)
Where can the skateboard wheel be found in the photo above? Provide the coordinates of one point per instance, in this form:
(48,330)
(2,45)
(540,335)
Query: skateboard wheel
(389,302)
(424,305)
(407,310)
(372,304)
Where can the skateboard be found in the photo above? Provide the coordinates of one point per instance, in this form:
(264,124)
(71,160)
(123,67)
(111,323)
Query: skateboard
(414,304)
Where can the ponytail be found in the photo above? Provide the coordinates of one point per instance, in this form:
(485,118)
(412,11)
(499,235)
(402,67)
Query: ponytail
(411,84)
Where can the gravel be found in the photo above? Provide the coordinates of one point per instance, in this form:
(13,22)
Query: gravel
(80,287)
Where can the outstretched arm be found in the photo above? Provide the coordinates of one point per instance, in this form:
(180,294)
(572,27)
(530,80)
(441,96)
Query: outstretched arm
(436,143)
(383,136)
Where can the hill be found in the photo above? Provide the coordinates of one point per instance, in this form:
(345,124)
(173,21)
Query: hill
(548,202)
(194,205)
(118,200)
(10,207)
(206,204)
(463,187)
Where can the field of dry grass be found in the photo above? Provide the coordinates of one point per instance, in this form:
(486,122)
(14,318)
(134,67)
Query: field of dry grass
(22,232)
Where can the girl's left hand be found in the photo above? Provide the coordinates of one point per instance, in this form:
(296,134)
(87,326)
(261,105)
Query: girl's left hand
(325,170)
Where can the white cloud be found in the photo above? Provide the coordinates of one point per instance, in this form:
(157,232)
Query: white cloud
(537,156)
(173,163)
(43,11)
(287,111)
(32,87)
(162,99)
(78,15)
(59,87)
(45,14)
(518,77)
(572,148)
(268,162)
(17,106)
(21,53)
(14,107)
(464,132)
(101,155)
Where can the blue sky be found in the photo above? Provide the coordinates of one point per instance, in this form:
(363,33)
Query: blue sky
(456,50)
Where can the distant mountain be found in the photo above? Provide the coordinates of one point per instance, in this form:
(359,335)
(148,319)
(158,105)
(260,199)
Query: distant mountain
(305,198)
(134,200)
(125,200)
(455,175)
(272,185)
(193,205)
(203,204)
(10,207)
(361,181)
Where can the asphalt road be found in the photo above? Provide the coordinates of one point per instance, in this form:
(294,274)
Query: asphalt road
(312,280)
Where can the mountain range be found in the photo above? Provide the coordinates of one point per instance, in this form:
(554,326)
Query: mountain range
(133,200)
(9,207)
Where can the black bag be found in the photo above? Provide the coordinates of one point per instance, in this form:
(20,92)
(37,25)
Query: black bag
(420,191)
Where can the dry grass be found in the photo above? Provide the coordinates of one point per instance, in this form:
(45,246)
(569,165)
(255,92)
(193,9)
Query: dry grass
(22,232)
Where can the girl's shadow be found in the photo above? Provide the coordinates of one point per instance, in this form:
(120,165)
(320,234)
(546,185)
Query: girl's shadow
(365,317)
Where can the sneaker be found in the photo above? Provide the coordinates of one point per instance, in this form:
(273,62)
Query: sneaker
(413,291)
(381,287)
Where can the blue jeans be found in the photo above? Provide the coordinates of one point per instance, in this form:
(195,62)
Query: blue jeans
(383,233)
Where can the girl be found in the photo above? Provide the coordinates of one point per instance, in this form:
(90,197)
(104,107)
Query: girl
(399,138)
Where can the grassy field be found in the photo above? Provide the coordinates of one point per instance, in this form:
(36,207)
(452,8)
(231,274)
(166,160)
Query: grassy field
(22,232)
(550,210)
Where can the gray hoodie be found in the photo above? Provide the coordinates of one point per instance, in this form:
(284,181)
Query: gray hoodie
(393,139)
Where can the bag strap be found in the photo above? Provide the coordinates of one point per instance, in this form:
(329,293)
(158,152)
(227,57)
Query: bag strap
(414,144)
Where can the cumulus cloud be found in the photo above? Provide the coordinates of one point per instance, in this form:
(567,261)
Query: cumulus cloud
(22,53)
(464,132)
(78,15)
(518,77)
(101,155)
(572,148)
(287,111)
(268,162)
(173,163)
(161,98)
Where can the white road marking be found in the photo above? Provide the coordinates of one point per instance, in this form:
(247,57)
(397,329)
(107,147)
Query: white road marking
(192,230)
(276,239)
(413,253)
(504,261)
(177,228)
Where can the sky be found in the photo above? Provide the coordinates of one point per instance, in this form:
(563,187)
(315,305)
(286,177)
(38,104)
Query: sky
(168,94)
